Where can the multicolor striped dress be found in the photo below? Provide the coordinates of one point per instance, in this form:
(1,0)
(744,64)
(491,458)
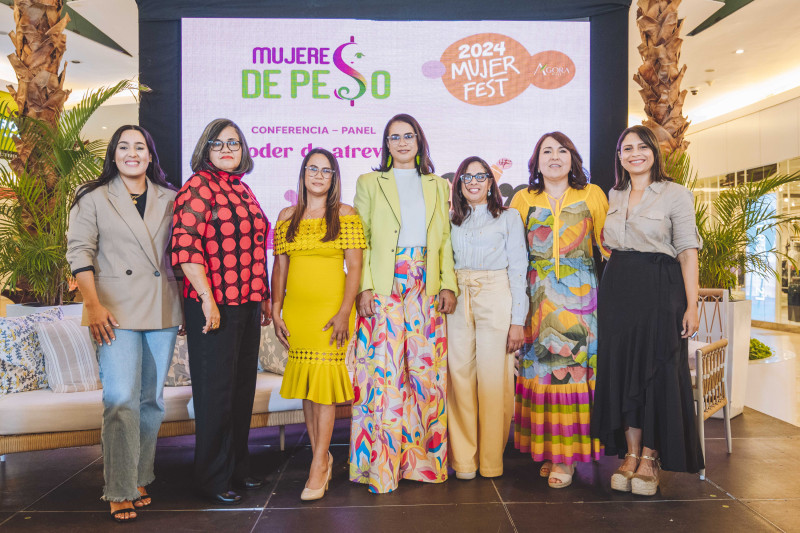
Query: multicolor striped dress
(555,386)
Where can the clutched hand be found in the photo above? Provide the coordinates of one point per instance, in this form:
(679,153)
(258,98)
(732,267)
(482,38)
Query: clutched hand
(447,301)
(365,304)
(516,338)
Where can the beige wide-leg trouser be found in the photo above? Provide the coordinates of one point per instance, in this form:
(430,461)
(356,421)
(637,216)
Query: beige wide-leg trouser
(480,390)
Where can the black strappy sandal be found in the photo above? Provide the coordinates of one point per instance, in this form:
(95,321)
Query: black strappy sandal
(139,500)
(116,515)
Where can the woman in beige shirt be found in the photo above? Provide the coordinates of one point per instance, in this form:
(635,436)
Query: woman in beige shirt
(644,411)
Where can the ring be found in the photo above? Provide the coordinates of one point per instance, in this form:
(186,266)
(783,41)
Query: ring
(106,326)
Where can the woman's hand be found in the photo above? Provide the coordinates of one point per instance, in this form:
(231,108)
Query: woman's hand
(280,330)
(211,312)
(691,322)
(516,338)
(266,312)
(365,304)
(447,301)
(101,323)
(339,323)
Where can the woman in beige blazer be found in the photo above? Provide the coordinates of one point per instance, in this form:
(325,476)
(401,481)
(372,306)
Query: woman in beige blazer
(119,230)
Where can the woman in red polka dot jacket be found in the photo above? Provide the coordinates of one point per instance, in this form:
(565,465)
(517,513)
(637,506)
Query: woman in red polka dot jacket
(219,240)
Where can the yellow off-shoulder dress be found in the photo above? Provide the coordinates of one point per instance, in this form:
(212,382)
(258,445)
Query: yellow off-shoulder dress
(316,369)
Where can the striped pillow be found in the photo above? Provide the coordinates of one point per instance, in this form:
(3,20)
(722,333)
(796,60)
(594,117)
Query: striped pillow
(70,359)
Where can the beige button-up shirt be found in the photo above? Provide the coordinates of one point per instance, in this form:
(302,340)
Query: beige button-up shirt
(663,221)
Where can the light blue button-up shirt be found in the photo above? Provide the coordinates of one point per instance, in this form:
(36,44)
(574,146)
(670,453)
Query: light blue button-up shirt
(483,242)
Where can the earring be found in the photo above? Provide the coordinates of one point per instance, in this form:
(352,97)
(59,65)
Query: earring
(490,192)
(389,161)
(571,175)
(417,158)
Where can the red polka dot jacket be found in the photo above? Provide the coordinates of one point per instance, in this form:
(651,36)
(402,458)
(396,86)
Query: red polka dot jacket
(218,223)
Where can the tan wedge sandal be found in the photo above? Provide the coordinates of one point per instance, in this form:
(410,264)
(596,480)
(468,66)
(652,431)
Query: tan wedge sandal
(646,485)
(621,479)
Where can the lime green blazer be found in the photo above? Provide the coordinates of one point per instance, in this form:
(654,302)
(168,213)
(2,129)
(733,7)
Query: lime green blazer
(378,204)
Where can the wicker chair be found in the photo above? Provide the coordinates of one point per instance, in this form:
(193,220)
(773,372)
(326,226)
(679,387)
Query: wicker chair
(710,390)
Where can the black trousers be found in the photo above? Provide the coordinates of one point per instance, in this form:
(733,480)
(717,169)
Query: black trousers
(223,364)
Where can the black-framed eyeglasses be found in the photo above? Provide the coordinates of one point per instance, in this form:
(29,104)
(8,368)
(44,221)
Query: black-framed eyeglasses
(216,145)
(481,177)
(327,173)
(395,138)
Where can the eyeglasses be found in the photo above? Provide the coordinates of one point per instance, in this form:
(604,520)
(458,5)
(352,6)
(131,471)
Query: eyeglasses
(394,139)
(327,173)
(216,145)
(467,178)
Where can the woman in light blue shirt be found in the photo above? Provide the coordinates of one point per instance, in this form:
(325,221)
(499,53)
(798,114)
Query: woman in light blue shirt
(487,326)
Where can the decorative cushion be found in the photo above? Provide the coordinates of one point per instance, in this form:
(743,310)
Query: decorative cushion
(178,375)
(272,356)
(21,357)
(70,356)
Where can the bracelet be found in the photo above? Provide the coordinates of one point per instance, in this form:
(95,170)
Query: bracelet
(200,296)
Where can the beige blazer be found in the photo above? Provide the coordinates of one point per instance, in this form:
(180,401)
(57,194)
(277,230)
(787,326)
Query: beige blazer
(132,270)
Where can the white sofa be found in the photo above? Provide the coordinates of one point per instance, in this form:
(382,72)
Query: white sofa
(43,420)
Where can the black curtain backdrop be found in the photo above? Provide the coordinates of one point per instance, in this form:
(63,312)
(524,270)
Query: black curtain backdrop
(160,55)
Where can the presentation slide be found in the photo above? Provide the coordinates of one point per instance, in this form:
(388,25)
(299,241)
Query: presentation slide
(485,88)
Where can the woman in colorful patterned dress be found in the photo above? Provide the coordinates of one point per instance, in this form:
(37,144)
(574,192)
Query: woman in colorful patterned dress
(312,303)
(399,428)
(555,387)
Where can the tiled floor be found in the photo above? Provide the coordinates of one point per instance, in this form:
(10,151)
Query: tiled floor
(755,489)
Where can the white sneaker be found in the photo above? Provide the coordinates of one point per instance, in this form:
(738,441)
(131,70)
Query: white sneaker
(465,475)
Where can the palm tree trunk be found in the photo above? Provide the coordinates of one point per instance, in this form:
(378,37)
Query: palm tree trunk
(660,75)
(39,43)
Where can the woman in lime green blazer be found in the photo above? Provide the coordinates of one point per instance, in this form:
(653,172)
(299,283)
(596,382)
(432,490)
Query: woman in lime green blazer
(408,283)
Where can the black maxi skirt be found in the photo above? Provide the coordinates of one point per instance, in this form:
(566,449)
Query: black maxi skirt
(643,378)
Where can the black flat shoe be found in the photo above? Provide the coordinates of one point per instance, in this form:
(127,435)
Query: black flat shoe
(248,483)
(227,498)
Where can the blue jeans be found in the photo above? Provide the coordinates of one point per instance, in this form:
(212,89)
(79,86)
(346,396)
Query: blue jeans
(133,369)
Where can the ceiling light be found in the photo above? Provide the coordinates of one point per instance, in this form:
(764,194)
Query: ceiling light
(76,61)
(710,70)
(105,127)
(739,51)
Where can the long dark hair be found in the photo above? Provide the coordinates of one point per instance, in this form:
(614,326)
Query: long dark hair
(200,160)
(110,171)
(425,165)
(332,204)
(657,172)
(461,208)
(577,175)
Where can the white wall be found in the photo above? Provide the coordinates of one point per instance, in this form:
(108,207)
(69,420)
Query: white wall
(748,139)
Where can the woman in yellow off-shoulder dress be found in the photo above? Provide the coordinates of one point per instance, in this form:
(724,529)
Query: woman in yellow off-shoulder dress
(312,302)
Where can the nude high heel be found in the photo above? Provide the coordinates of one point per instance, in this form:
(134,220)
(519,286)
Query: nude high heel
(317,494)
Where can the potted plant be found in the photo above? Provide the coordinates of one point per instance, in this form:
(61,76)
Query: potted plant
(38,194)
(733,228)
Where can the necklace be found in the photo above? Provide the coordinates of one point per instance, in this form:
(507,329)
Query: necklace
(135,197)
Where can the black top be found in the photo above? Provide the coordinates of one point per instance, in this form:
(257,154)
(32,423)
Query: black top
(140,203)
